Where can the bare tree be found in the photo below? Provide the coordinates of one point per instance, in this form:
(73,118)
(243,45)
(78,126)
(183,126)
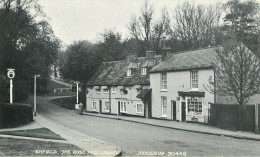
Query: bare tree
(237,73)
(195,25)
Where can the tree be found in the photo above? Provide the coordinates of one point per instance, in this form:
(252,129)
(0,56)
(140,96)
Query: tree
(147,30)
(111,47)
(195,26)
(237,73)
(243,19)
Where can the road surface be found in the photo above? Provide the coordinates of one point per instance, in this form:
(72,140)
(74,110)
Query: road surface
(138,139)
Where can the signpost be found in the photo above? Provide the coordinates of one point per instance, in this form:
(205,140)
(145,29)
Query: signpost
(11,74)
(34,104)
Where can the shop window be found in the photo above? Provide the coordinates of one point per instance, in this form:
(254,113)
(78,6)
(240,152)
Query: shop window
(194,106)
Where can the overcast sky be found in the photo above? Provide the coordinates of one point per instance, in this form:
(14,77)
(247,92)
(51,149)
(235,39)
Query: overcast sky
(74,20)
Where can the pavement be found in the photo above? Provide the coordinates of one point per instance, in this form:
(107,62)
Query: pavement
(183,126)
(91,145)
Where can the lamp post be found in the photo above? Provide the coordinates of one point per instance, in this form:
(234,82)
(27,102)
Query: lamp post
(11,74)
(34,104)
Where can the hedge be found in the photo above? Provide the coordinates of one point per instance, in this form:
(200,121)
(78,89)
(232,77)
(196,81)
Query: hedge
(12,115)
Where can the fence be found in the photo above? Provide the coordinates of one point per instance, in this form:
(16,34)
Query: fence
(226,117)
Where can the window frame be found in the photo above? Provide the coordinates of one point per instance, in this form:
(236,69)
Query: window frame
(106,90)
(98,91)
(128,72)
(194,79)
(142,110)
(199,101)
(107,104)
(163,81)
(164,104)
(94,109)
(143,71)
(113,90)
(123,109)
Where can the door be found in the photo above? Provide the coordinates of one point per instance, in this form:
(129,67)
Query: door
(118,108)
(100,106)
(183,111)
(173,110)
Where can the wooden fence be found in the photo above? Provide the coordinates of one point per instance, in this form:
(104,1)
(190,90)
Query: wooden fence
(225,116)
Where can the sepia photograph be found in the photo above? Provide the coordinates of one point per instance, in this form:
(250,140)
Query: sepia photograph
(130,78)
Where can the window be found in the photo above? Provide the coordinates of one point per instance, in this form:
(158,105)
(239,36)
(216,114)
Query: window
(164,81)
(107,106)
(106,90)
(194,106)
(98,90)
(139,108)
(123,106)
(143,71)
(94,105)
(138,90)
(113,90)
(194,79)
(128,72)
(164,105)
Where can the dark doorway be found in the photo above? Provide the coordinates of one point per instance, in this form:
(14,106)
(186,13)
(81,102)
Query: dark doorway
(183,111)
(173,110)
(100,106)
(118,108)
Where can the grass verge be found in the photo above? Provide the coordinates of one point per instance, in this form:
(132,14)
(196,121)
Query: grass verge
(21,147)
(38,133)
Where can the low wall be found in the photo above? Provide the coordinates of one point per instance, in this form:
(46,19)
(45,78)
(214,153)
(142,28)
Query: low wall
(12,115)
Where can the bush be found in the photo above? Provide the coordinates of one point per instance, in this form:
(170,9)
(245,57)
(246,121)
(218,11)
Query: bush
(12,115)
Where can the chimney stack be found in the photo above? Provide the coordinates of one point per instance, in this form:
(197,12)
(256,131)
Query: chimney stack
(150,54)
(166,53)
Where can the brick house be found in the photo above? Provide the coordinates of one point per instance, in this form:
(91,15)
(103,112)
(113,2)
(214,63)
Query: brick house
(122,87)
(177,84)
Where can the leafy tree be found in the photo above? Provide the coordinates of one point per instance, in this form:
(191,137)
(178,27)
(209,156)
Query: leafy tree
(242,18)
(111,47)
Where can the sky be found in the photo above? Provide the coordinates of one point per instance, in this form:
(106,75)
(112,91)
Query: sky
(74,20)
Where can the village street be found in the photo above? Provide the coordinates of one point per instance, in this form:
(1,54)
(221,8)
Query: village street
(136,138)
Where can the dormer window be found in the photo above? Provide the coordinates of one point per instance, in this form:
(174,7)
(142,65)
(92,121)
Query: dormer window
(128,73)
(143,71)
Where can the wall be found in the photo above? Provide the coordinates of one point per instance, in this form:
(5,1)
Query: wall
(178,81)
(118,95)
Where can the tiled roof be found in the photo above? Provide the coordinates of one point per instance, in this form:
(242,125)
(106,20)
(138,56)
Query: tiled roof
(202,58)
(114,73)
(143,93)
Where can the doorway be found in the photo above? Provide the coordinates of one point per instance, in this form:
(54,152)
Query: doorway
(183,111)
(100,106)
(173,110)
(118,108)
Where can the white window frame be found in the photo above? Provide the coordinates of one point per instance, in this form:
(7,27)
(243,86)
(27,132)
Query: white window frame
(142,110)
(113,90)
(194,113)
(94,109)
(123,108)
(107,104)
(164,103)
(128,73)
(194,79)
(163,81)
(143,71)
